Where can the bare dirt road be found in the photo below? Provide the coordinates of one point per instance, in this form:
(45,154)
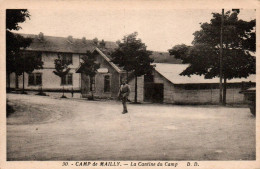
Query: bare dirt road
(44,128)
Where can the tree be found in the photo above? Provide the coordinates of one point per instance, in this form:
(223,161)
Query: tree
(28,62)
(14,42)
(102,44)
(61,70)
(238,45)
(89,68)
(133,56)
(95,41)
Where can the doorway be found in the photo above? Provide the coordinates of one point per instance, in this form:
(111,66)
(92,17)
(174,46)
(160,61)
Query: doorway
(153,92)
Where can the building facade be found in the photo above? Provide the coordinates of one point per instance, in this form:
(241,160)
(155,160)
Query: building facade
(106,81)
(165,85)
(46,79)
(49,48)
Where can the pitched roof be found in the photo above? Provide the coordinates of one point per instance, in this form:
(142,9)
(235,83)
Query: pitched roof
(63,44)
(117,68)
(70,45)
(172,73)
(249,90)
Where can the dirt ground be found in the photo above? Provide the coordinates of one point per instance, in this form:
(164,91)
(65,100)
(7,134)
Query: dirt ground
(44,128)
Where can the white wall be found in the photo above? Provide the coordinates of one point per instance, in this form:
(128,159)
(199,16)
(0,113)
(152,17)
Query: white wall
(49,79)
(168,88)
(49,58)
(207,96)
(140,89)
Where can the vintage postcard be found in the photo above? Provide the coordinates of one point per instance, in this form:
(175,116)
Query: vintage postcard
(129,84)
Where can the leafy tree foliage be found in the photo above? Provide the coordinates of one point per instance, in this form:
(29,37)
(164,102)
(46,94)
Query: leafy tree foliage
(14,44)
(28,62)
(95,41)
(89,68)
(61,70)
(14,17)
(238,45)
(133,56)
(102,44)
(17,60)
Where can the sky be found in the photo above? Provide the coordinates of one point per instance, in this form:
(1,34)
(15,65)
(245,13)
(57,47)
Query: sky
(159,29)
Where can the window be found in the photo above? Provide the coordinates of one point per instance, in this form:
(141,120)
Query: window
(67,80)
(35,79)
(66,58)
(106,83)
(93,86)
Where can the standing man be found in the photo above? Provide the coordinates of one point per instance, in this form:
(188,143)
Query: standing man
(123,94)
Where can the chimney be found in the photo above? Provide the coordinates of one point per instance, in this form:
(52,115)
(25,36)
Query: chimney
(70,39)
(41,36)
(84,40)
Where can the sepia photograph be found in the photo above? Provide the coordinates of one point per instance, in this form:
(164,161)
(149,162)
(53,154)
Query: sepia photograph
(130,84)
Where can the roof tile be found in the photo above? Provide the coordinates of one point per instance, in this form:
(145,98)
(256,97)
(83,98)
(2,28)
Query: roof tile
(62,44)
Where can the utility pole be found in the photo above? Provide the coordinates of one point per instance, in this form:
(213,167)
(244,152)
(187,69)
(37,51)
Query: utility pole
(221,59)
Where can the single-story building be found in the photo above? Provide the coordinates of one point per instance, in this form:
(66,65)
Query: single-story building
(168,86)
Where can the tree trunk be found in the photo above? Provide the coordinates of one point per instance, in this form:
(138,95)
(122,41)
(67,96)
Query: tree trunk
(127,77)
(221,59)
(225,90)
(16,81)
(23,82)
(92,95)
(91,87)
(63,90)
(135,89)
(41,92)
(8,82)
